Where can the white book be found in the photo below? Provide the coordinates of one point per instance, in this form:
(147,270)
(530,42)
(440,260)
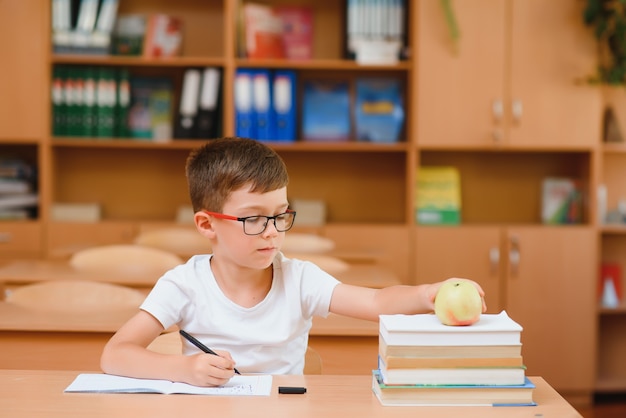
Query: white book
(23,200)
(238,385)
(427,330)
(452,376)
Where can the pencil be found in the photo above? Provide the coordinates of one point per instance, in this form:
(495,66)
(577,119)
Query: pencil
(198,344)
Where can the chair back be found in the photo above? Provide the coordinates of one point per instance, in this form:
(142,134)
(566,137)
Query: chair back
(125,260)
(75,296)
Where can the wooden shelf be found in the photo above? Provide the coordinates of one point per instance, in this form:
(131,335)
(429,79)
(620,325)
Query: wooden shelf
(615,229)
(322,64)
(117,60)
(348,146)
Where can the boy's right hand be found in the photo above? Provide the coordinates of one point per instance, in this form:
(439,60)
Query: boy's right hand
(209,370)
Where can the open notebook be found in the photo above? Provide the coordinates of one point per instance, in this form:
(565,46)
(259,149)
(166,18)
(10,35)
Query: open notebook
(249,385)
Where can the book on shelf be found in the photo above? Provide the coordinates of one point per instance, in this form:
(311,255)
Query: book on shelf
(426,329)
(263,32)
(452,395)
(378,109)
(444,351)
(209,104)
(17,168)
(163,37)
(284,104)
(561,201)
(18,201)
(326,110)
(14,186)
(265,104)
(262,115)
(275,32)
(297,31)
(150,114)
(438,195)
(129,34)
(462,375)
(375,31)
(83,27)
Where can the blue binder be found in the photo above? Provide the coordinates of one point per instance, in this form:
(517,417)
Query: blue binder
(244,126)
(284,104)
(262,104)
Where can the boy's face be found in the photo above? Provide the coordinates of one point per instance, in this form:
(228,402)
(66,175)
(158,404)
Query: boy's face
(252,251)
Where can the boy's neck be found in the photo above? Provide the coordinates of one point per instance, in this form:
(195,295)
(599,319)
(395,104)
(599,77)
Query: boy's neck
(245,287)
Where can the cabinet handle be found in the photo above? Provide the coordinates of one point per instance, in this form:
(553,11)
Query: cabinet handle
(517,110)
(497,109)
(494,260)
(514,256)
(5,237)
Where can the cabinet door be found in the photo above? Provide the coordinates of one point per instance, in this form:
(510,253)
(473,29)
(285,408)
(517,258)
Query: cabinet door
(472,252)
(550,50)
(23,72)
(458,87)
(552,295)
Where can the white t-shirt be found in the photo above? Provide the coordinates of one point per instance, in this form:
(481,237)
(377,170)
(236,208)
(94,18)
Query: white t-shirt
(270,337)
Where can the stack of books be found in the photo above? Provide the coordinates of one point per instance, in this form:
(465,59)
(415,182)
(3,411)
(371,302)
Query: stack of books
(18,194)
(423,362)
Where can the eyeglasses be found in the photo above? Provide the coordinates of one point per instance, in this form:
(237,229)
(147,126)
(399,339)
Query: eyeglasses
(255,225)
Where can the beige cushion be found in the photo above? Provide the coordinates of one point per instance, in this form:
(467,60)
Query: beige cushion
(178,240)
(124,260)
(75,296)
(296,242)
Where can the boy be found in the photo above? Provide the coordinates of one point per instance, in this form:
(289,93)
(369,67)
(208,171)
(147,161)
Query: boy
(246,300)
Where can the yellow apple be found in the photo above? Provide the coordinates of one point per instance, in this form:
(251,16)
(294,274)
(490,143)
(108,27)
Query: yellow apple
(458,303)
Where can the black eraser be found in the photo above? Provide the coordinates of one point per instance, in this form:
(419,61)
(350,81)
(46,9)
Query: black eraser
(291,390)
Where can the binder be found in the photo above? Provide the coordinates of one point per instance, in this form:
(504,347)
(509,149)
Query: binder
(89,102)
(72,102)
(262,108)
(186,119)
(208,115)
(59,107)
(122,105)
(105,103)
(243,104)
(284,105)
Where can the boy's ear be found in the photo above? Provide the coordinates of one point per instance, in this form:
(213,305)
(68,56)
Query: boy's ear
(203,224)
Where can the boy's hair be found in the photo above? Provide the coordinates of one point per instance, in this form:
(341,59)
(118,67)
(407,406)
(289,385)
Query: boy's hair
(224,165)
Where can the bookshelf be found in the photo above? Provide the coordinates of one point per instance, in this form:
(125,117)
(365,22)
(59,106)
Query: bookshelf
(505,123)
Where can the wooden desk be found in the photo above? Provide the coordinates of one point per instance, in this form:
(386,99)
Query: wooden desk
(37,393)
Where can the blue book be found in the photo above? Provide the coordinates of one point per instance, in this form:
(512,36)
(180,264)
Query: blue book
(379,110)
(326,110)
(461,395)
(244,126)
(284,105)
(262,105)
